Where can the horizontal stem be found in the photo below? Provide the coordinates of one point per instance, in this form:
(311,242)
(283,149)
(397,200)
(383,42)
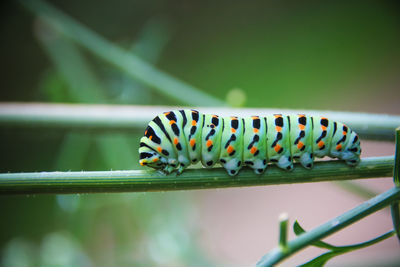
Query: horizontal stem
(278,254)
(120,117)
(144,180)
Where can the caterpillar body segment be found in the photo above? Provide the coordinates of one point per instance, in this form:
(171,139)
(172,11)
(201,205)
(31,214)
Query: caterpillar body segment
(193,133)
(211,139)
(278,141)
(231,154)
(255,143)
(176,139)
(301,138)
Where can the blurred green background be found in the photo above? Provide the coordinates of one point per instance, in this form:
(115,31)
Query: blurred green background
(334,55)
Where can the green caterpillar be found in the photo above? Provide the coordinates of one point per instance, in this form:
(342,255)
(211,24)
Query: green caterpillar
(176,139)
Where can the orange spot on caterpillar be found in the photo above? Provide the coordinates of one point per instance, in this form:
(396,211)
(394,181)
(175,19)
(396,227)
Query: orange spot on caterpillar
(192,142)
(159,149)
(323,128)
(277,115)
(339,147)
(253,150)
(176,141)
(321,144)
(233,130)
(344,133)
(255,117)
(209,143)
(300,145)
(229,149)
(277,148)
(145,132)
(301,115)
(141,163)
(255,130)
(155,159)
(150,137)
(194,123)
(167,113)
(233,118)
(172,122)
(278,128)
(301,126)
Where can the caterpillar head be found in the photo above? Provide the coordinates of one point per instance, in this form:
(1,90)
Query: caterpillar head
(150,158)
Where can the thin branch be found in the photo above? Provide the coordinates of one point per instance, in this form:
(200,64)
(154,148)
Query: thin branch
(395,207)
(142,181)
(278,254)
(121,117)
(283,231)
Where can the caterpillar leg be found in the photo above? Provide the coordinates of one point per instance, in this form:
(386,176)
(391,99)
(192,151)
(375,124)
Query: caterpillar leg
(307,160)
(168,169)
(232,165)
(181,168)
(284,162)
(259,166)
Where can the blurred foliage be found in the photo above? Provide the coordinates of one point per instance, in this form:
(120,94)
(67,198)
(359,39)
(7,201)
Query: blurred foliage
(332,55)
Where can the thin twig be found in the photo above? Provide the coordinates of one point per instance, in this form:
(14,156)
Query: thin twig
(142,181)
(128,118)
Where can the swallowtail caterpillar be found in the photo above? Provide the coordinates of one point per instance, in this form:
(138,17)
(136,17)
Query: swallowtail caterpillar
(176,139)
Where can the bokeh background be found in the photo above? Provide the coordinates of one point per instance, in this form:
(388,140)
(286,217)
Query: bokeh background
(334,56)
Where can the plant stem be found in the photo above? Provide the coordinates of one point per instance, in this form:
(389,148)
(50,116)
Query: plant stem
(277,254)
(122,117)
(357,189)
(395,207)
(142,180)
(396,170)
(283,223)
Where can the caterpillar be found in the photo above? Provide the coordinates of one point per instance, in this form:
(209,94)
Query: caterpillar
(175,139)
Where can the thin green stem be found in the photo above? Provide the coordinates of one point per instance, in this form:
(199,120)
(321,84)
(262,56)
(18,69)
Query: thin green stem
(354,188)
(396,170)
(283,230)
(395,207)
(128,118)
(277,254)
(132,65)
(142,180)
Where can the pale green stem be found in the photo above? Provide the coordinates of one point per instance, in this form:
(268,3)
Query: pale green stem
(142,180)
(128,118)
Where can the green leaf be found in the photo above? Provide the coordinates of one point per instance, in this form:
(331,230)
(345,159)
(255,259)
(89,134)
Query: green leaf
(298,230)
(322,259)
